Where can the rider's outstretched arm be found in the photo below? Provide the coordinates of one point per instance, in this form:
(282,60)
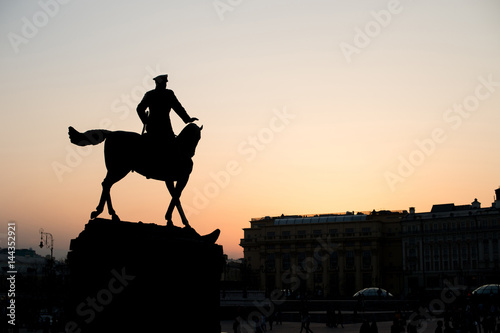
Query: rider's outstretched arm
(179,109)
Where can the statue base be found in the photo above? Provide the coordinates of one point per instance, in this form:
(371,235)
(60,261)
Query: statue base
(142,277)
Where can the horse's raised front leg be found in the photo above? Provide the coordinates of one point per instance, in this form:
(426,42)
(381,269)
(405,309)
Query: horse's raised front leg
(175,192)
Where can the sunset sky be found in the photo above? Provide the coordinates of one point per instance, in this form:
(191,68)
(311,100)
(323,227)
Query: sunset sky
(308,107)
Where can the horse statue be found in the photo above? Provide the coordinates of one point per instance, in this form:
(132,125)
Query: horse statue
(129,151)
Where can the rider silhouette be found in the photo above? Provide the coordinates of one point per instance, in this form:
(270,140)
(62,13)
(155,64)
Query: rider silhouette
(160,101)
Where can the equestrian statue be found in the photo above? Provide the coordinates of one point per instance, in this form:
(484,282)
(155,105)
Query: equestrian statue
(156,153)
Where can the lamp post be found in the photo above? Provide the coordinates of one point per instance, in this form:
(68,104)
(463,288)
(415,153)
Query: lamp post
(47,245)
(44,241)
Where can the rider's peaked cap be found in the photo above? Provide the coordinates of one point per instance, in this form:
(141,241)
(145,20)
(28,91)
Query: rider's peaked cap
(161,78)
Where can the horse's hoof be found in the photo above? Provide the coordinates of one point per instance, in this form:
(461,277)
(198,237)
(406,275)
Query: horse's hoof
(94,214)
(115,218)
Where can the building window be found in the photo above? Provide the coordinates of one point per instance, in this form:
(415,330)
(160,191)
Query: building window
(319,263)
(486,250)
(494,243)
(473,252)
(436,251)
(285,234)
(301,234)
(349,259)
(285,262)
(270,235)
(316,233)
(445,257)
(464,252)
(427,258)
(367,259)
(412,259)
(301,257)
(334,260)
(270,261)
(446,253)
(427,253)
(349,232)
(455,252)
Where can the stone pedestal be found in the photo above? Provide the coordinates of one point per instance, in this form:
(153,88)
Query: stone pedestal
(141,277)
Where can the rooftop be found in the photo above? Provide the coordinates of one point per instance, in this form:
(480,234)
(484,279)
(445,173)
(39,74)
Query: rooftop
(320,219)
(450,208)
(327,218)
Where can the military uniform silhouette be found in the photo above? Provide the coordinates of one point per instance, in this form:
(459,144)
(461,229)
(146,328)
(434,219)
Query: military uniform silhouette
(160,101)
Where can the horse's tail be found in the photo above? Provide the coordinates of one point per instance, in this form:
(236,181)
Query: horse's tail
(91,137)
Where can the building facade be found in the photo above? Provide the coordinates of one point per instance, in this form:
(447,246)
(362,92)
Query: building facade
(330,255)
(454,243)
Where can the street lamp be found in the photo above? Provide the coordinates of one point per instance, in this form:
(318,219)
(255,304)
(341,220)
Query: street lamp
(47,245)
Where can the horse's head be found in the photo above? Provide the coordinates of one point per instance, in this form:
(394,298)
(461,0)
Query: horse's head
(188,139)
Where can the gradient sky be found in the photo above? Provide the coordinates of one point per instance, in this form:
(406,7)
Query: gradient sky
(308,107)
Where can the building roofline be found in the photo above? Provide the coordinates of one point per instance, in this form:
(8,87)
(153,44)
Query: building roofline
(367,213)
(471,212)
